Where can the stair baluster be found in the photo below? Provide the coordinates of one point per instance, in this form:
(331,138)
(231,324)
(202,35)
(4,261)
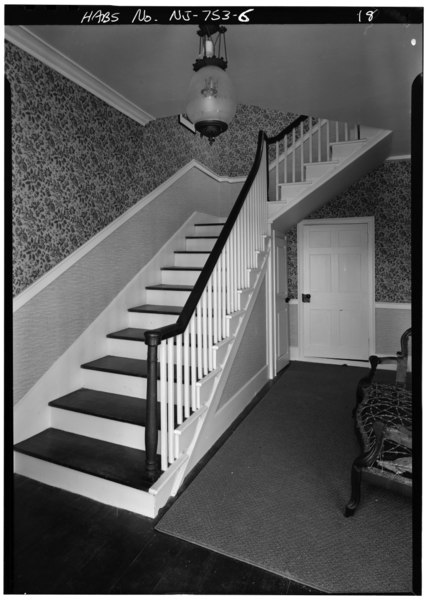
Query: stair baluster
(204,320)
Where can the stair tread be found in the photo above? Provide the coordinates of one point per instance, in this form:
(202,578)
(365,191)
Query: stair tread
(116,407)
(120,365)
(113,462)
(129,333)
(209,224)
(192,252)
(181,268)
(157,308)
(173,287)
(202,237)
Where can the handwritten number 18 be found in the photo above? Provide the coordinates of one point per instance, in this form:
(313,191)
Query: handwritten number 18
(369,13)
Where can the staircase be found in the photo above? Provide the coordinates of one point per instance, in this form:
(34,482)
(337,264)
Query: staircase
(97,437)
(315,160)
(125,436)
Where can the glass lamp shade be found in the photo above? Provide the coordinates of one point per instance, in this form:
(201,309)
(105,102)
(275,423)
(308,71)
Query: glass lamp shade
(211,101)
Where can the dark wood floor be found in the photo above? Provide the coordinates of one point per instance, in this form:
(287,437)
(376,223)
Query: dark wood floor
(66,544)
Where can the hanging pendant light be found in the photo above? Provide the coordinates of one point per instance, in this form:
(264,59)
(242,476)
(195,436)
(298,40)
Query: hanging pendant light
(211,101)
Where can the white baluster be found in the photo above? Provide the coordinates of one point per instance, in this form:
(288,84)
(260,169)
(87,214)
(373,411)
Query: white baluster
(186,399)
(199,342)
(210,323)
(327,158)
(193,362)
(319,140)
(310,139)
(215,307)
(170,399)
(293,150)
(302,168)
(204,339)
(277,170)
(163,405)
(179,404)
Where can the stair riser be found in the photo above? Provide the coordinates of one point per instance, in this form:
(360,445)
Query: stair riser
(127,348)
(130,349)
(107,430)
(314,171)
(290,191)
(150,320)
(341,150)
(208,230)
(101,490)
(118,384)
(191,260)
(200,244)
(126,385)
(167,297)
(179,277)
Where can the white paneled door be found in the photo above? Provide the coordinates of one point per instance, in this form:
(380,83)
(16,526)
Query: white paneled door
(336,289)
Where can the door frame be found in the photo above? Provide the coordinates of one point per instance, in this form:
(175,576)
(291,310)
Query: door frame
(369,221)
(271,316)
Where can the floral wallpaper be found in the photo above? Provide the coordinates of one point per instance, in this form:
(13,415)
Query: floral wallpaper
(78,164)
(384,193)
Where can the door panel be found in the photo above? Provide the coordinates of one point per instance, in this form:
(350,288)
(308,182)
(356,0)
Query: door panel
(335,322)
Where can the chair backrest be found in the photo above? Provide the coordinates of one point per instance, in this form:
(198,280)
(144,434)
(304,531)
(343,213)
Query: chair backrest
(402,358)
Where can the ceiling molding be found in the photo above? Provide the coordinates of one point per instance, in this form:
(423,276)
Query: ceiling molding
(26,40)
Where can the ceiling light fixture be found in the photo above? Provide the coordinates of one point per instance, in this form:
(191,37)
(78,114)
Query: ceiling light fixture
(211,101)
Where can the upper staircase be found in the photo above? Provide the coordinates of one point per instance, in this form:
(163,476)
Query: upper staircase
(125,435)
(314,160)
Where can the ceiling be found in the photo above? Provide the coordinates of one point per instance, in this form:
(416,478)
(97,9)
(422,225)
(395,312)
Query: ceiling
(349,72)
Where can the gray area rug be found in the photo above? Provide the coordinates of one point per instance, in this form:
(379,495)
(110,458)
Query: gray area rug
(273,495)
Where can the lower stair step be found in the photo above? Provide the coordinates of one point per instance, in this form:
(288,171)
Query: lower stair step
(157,308)
(126,409)
(133,334)
(120,365)
(112,462)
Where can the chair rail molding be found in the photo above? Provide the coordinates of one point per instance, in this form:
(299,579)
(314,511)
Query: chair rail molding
(29,42)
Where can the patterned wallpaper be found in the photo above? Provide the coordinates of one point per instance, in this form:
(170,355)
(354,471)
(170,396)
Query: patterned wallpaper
(384,193)
(78,164)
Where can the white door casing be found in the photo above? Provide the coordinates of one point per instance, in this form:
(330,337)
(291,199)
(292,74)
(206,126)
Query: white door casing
(336,269)
(281,302)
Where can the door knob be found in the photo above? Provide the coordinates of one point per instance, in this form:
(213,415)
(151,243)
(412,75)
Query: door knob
(306,297)
(287,299)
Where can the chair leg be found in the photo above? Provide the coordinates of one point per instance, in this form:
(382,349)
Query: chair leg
(356,489)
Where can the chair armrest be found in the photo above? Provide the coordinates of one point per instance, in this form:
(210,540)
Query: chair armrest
(399,434)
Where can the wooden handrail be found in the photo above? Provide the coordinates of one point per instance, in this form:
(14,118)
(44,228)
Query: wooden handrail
(286,130)
(154,337)
(182,322)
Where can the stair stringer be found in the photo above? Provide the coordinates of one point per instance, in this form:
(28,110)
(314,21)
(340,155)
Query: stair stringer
(32,413)
(169,483)
(336,180)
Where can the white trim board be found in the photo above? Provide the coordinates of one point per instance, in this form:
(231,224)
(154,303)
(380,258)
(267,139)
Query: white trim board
(88,246)
(32,44)
(382,305)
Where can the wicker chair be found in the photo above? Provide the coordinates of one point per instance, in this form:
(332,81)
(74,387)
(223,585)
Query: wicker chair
(383,422)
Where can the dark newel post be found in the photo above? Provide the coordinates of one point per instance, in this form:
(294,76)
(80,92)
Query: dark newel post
(151,426)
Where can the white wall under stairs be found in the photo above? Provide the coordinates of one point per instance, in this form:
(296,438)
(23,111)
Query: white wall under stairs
(350,161)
